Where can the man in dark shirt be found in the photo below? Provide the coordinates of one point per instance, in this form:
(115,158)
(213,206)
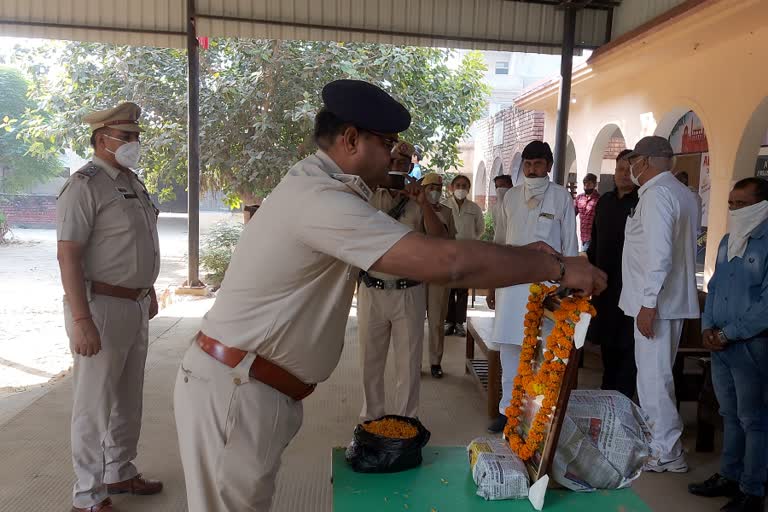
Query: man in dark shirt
(612,328)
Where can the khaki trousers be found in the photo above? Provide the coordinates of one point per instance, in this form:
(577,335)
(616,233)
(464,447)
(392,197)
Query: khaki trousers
(107,397)
(232,434)
(437,310)
(397,315)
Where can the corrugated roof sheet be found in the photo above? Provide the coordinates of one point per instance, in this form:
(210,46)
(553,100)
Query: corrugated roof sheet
(478,24)
(633,13)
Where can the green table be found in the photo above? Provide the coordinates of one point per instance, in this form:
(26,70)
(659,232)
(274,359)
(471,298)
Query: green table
(443,483)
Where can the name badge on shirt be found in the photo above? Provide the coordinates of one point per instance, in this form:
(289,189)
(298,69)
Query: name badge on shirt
(549,216)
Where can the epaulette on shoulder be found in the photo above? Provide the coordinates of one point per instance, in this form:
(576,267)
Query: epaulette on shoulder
(87,171)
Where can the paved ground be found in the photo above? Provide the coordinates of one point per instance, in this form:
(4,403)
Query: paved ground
(34,444)
(33,345)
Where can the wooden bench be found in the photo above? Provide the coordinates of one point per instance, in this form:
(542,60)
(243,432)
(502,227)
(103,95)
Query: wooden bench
(486,372)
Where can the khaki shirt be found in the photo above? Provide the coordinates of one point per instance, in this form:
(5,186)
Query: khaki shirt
(111,214)
(412,217)
(470,224)
(445,215)
(288,290)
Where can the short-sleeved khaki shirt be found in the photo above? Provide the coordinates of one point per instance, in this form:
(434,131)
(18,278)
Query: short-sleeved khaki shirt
(288,290)
(412,217)
(470,224)
(112,215)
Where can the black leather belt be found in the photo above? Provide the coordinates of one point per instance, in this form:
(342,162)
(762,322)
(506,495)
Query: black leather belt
(381,284)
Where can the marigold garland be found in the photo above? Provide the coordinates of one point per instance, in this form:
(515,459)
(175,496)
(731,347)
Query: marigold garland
(546,382)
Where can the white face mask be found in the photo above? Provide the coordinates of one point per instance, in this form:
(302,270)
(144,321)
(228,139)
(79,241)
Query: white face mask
(741,223)
(128,154)
(434,196)
(500,192)
(460,194)
(635,179)
(536,186)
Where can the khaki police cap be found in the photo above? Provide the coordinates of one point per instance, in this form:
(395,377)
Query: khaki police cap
(432,179)
(124,117)
(403,148)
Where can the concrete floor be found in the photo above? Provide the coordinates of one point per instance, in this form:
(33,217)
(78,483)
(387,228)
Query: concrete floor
(35,473)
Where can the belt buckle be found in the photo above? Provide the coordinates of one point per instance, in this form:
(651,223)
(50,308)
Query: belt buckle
(390,285)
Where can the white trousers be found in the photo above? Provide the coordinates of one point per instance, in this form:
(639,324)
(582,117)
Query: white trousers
(396,315)
(510,360)
(107,397)
(656,387)
(232,434)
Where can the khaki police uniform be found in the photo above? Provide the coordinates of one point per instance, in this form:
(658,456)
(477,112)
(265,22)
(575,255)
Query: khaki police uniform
(286,297)
(396,314)
(111,214)
(437,299)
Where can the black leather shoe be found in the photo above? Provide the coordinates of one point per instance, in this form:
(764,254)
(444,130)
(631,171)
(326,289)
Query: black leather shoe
(497,425)
(715,486)
(460,332)
(437,371)
(745,503)
(450,330)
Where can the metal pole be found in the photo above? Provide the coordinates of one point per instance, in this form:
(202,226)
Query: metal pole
(566,69)
(193,129)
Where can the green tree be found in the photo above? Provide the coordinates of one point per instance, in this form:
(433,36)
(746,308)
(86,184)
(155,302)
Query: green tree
(258,101)
(20,167)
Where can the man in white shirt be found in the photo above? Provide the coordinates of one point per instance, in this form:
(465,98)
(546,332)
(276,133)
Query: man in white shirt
(470,225)
(659,290)
(536,211)
(502,183)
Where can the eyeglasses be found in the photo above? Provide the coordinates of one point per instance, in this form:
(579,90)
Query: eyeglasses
(389,142)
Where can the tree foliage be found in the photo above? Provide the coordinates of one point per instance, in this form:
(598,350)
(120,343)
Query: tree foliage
(257,105)
(20,167)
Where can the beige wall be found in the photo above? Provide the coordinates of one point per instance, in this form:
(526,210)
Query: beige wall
(711,60)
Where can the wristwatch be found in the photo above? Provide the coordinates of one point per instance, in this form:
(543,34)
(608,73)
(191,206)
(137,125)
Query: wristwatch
(559,259)
(722,337)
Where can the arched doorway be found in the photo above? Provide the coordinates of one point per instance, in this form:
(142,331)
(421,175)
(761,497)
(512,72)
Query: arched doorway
(752,155)
(571,171)
(480,186)
(608,144)
(516,169)
(688,138)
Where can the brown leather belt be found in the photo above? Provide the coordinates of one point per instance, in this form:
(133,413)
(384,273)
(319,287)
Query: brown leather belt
(119,291)
(262,369)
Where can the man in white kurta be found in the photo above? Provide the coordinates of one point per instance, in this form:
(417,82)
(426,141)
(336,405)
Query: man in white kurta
(659,290)
(536,211)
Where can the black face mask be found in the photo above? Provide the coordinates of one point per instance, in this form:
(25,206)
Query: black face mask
(589,191)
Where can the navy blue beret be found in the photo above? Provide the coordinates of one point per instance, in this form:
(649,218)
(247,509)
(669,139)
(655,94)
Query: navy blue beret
(366,106)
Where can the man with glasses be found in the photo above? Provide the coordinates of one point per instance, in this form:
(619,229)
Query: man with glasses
(109,258)
(658,272)
(536,211)
(278,323)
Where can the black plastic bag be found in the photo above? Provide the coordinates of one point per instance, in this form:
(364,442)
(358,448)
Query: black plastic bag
(371,453)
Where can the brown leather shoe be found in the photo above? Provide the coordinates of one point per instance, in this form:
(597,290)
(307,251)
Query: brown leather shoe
(136,485)
(104,506)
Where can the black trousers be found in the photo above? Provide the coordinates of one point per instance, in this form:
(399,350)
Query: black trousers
(616,335)
(457,306)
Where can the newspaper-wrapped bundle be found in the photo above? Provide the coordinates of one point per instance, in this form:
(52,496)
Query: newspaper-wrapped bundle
(498,473)
(604,442)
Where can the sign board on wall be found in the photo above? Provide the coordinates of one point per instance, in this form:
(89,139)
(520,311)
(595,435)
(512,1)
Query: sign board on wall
(704,186)
(761,168)
(688,135)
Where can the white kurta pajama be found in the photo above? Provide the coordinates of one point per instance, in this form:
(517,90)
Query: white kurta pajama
(659,271)
(552,221)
